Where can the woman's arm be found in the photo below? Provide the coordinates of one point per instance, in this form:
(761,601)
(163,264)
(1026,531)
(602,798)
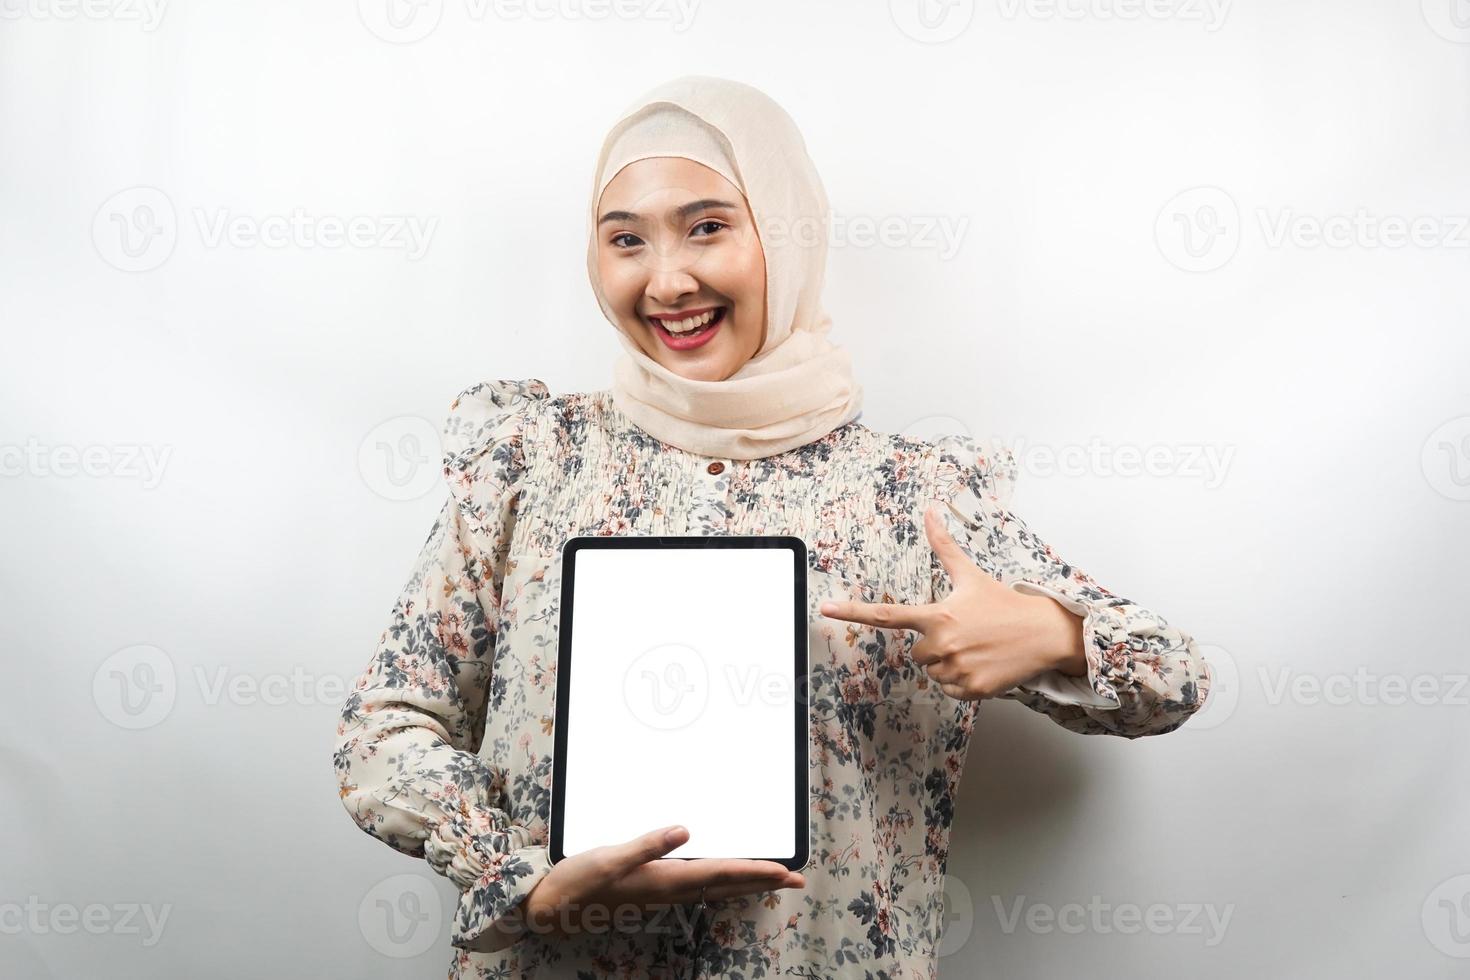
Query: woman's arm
(406,755)
(406,758)
(1141,676)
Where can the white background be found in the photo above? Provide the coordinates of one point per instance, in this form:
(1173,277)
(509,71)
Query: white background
(289,395)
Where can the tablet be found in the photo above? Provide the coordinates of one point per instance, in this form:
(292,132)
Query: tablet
(681,695)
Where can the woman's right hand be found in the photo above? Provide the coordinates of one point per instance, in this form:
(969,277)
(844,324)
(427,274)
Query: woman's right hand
(612,877)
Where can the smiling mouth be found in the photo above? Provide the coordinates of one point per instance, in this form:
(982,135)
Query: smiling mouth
(687,321)
(681,330)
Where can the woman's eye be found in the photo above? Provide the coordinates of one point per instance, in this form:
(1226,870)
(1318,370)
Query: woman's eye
(618,240)
(715,225)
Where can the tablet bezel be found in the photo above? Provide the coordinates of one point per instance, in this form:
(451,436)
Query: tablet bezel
(801,658)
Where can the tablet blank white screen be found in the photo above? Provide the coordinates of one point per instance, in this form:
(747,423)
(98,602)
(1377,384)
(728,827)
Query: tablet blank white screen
(681,707)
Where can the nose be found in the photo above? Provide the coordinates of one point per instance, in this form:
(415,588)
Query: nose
(666,286)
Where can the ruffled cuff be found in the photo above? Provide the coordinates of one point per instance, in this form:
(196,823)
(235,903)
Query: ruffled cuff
(495,869)
(1092,691)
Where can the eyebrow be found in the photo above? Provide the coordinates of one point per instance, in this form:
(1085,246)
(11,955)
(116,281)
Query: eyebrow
(682,211)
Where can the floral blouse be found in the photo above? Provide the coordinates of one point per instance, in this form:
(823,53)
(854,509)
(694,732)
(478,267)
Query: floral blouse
(444,748)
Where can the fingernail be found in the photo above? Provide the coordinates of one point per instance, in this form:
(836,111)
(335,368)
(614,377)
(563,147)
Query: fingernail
(827,608)
(671,834)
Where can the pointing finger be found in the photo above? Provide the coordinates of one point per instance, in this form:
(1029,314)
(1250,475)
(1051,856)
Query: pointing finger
(886,615)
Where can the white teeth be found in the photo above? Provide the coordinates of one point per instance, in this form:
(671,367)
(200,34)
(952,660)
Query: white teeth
(688,324)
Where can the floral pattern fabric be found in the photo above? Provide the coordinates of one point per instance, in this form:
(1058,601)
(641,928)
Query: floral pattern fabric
(444,747)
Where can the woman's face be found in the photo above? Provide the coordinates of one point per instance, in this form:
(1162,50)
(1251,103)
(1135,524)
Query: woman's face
(677,245)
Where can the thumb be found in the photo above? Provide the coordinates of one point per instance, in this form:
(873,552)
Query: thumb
(652,845)
(951,555)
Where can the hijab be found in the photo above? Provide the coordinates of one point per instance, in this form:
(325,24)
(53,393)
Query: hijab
(799,386)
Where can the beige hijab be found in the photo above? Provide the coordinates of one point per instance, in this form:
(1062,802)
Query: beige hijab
(798,386)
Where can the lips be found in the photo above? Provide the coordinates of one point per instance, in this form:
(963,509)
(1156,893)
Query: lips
(662,318)
(691,339)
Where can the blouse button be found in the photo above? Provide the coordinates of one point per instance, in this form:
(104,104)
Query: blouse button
(715,468)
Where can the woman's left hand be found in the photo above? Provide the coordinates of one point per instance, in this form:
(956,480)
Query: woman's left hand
(984,638)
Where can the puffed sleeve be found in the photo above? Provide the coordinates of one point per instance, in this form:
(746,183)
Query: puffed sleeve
(406,752)
(1144,676)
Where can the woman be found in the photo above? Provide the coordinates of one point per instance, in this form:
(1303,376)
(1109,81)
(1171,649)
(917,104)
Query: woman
(731,413)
